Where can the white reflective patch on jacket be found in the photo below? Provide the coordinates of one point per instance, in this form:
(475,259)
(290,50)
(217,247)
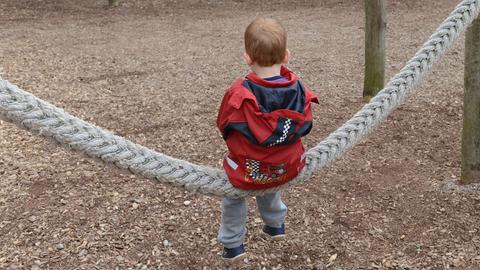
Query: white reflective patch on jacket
(231,163)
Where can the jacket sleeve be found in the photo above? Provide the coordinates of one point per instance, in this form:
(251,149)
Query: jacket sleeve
(310,98)
(223,113)
(229,111)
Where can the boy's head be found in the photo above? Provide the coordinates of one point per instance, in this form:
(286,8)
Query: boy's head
(265,43)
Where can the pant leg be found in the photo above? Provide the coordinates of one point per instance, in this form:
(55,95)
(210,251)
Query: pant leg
(234,217)
(272,209)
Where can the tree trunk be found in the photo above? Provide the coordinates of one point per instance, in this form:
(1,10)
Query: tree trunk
(113,3)
(375,24)
(471,107)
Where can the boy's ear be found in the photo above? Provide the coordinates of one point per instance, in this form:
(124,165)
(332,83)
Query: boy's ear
(287,57)
(247,59)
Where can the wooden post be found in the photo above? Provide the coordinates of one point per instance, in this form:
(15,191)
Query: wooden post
(113,3)
(471,107)
(375,24)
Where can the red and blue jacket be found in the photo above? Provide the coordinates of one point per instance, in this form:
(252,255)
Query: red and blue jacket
(262,123)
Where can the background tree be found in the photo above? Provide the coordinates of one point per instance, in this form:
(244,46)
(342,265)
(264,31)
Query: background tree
(471,108)
(375,24)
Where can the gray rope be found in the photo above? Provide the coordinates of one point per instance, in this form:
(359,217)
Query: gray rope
(42,118)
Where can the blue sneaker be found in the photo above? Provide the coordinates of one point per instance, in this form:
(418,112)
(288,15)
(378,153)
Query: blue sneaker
(276,234)
(234,254)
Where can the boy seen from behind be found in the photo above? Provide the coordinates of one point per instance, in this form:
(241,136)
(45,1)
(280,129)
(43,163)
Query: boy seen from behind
(262,118)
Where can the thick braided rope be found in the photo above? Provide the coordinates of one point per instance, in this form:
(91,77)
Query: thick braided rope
(40,117)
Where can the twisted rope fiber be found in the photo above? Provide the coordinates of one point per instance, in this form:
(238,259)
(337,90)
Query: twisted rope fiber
(33,114)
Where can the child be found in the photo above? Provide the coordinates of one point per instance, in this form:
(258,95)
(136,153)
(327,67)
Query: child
(262,118)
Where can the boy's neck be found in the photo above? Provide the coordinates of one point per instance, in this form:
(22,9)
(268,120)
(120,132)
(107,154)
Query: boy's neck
(266,72)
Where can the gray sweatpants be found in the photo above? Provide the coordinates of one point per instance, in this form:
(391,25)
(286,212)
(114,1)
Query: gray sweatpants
(234,217)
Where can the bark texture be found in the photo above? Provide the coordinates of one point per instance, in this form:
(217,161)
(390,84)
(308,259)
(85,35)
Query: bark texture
(471,108)
(375,24)
(113,3)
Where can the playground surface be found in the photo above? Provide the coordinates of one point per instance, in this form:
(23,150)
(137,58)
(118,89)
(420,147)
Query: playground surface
(155,72)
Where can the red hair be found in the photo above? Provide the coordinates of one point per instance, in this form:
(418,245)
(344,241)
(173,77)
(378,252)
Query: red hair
(266,41)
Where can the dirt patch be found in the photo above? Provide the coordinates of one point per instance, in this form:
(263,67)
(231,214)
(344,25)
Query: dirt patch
(155,71)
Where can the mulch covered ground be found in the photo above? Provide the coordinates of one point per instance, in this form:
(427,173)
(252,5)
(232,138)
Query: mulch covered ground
(155,71)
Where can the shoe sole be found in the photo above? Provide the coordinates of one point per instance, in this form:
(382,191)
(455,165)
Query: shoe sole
(235,259)
(275,238)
